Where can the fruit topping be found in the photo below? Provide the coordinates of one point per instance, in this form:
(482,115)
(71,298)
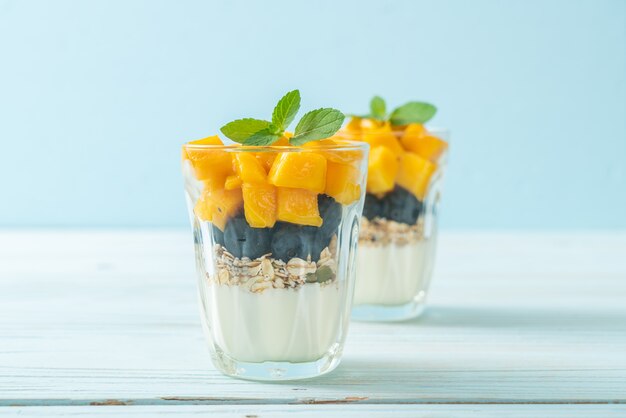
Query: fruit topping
(382,168)
(259,203)
(243,241)
(296,241)
(232,182)
(414,174)
(342,182)
(266,158)
(249,169)
(383,136)
(209,164)
(218,235)
(306,170)
(373,207)
(331,212)
(217,205)
(298,206)
(417,140)
(431,147)
(401,206)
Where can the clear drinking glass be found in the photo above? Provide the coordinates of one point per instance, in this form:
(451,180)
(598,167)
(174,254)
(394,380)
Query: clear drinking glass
(275,231)
(398,234)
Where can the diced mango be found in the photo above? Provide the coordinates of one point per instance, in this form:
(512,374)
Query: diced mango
(266,158)
(259,204)
(354,126)
(342,182)
(209,164)
(415,173)
(306,170)
(249,168)
(383,136)
(411,134)
(232,182)
(382,167)
(430,147)
(217,205)
(298,206)
(209,140)
(368,124)
(346,156)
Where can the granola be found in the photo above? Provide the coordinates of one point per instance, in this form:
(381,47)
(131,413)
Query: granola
(380,232)
(266,272)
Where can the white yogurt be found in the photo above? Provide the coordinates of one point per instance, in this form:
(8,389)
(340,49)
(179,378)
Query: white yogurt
(276,325)
(393,275)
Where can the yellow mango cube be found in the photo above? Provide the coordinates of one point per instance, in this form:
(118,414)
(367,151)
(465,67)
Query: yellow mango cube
(217,205)
(208,164)
(414,174)
(382,167)
(298,206)
(354,126)
(232,182)
(342,182)
(383,136)
(249,168)
(325,147)
(306,170)
(259,204)
(431,147)
(411,134)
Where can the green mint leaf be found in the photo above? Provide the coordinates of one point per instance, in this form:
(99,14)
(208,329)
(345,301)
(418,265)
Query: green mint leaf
(241,129)
(286,109)
(262,138)
(317,124)
(275,129)
(412,112)
(378,108)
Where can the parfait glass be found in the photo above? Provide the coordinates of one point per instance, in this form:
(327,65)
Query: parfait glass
(398,235)
(275,231)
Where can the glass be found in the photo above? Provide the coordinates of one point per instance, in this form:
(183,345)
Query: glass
(275,259)
(398,235)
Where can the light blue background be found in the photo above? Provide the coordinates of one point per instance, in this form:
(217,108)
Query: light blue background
(96,98)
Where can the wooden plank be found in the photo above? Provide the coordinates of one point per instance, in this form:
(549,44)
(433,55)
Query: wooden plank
(345,411)
(88,316)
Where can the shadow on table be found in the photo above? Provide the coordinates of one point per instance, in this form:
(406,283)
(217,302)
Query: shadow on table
(494,317)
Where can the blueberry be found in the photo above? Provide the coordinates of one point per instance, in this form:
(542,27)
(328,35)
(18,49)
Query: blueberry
(286,241)
(241,240)
(315,240)
(330,211)
(218,235)
(401,206)
(291,240)
(373,207)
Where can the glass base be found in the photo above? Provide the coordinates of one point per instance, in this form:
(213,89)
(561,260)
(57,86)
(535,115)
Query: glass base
(276,370)
(387,313)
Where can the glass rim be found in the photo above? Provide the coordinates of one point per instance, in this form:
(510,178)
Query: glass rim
(346,145)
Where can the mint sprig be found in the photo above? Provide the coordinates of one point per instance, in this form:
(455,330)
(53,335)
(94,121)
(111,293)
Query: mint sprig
(411,112)
(317,124)
(378,108)
(314,125)
(286,109)
(241,129)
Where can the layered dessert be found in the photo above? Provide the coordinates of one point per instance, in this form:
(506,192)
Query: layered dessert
(398,228)
(273,220)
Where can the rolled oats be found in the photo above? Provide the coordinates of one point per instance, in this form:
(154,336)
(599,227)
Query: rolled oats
(380,232)
(265,272)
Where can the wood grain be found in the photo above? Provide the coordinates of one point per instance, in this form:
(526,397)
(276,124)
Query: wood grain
(515,318)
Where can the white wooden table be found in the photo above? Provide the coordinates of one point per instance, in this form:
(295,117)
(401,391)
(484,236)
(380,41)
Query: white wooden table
(102,323)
